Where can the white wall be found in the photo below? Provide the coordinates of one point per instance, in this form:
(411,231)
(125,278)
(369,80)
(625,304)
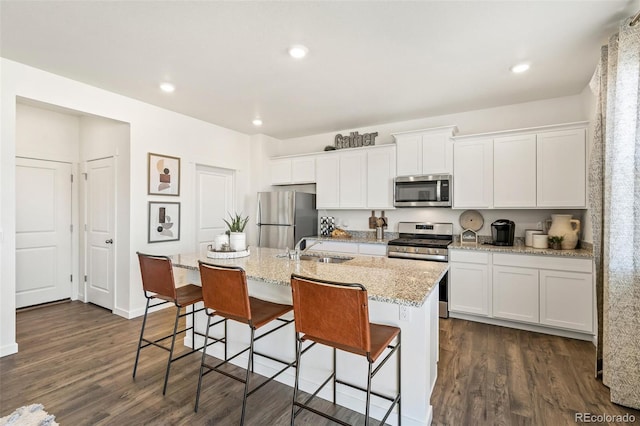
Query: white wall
(152,130)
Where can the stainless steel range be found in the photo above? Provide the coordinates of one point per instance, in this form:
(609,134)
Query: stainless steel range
(425,241)
(422,241)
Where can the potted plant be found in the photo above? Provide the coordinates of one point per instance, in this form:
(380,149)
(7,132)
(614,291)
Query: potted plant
(555,242)
(237,237)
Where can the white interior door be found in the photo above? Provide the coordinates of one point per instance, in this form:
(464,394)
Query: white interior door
(214,189)
(43,231)
(100,227)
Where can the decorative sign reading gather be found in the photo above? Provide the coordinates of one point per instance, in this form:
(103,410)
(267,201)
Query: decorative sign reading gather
(355,140)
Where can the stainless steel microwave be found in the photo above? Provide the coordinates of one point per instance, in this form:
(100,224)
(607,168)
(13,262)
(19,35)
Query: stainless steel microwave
(423,191)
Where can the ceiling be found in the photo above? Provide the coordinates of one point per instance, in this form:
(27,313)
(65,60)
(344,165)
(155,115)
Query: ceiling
(369,62)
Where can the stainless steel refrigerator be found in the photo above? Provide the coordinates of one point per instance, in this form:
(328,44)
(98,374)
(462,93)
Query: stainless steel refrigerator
(285,217)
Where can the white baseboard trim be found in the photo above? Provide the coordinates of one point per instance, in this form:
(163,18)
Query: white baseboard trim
(522,326)
(9,349)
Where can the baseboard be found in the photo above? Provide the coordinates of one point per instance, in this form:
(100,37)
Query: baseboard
(522,326)
(9,349)
(124,313)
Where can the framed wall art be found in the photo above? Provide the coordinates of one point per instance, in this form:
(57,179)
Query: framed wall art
(163,175)
(164,221)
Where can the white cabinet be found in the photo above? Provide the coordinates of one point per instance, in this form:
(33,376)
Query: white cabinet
(515,294)
(353,179)
(561,169)
(514,171)
(469,282)
(293,170)
(422,152)
(328,181)
(473,174)
(360,178)
(530,168)
(566,300)
(381,169)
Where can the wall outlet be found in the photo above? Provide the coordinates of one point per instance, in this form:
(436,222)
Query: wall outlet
(405,313)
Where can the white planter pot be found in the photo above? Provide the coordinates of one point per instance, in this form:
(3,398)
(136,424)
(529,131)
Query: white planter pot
(238,241)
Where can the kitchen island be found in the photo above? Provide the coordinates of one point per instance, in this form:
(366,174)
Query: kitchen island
(400,293)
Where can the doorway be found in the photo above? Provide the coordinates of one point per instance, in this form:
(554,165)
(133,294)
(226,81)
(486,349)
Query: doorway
(43,231)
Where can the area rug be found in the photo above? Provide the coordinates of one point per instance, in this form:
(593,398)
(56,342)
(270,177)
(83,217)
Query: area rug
(29,415)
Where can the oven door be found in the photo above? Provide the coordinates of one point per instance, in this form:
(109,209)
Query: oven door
(422,191)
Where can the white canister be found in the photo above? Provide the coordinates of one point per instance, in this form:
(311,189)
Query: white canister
(528,236)
(219,240)
(540,241)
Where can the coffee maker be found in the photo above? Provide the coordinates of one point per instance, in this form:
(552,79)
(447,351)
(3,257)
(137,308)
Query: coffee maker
(502,231)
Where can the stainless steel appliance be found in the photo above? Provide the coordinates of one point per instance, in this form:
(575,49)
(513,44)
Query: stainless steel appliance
(502,231)
(423,191)
(285,217)
(425,241)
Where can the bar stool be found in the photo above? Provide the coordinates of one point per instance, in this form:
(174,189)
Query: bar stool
(337,315)
(158,283)
(225,293)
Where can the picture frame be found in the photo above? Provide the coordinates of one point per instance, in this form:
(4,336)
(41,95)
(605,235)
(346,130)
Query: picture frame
(164,221)
(163,175)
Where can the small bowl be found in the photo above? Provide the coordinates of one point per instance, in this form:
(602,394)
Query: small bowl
(540,241)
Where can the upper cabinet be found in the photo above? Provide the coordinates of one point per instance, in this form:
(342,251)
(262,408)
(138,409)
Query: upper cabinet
(531,168)
(425,152)
(293,170)
(359,178)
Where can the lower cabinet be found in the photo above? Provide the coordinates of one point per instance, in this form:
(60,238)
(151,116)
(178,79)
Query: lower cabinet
(549,291)
(515,294)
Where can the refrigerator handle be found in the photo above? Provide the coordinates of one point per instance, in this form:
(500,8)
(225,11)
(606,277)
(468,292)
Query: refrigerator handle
(258,221)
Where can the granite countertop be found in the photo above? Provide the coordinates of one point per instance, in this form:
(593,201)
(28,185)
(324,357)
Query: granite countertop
(368,239)
(398,281)
(522,249)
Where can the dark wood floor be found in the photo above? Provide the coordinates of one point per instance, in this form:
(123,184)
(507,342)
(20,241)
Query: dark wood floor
(76,359)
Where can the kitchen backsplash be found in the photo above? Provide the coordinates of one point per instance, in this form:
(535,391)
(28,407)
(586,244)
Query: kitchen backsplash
(358,220)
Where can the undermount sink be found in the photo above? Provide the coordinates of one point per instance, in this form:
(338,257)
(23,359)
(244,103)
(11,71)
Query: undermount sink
(324,259)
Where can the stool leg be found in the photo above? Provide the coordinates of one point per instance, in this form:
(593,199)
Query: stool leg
(366,420)
(295,386)
(246,382)
(144,322)
(399,361)
(173,342)
(204,352)
(334,375)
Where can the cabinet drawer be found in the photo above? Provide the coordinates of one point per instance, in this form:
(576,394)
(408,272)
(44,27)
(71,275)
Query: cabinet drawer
(468,256)
(543,262)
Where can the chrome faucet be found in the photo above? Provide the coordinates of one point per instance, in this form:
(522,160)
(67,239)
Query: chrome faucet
(297,252)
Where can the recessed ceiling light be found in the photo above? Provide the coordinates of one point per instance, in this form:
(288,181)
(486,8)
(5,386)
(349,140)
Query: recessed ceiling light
(167,87)
(298,51)
(257,122)
(520,68)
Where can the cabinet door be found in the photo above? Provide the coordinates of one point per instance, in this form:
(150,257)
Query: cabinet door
(332,246)
(409,155)
(566,300)
(562,169)
(514,171)
(437,154)
(469,288)
(372,249)
(327,181)
(473,173)
(303,170)
(353,179)
(515,294)
(280,171)
(381,169)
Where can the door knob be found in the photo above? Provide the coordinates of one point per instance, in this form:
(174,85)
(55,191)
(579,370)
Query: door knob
(109,241)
